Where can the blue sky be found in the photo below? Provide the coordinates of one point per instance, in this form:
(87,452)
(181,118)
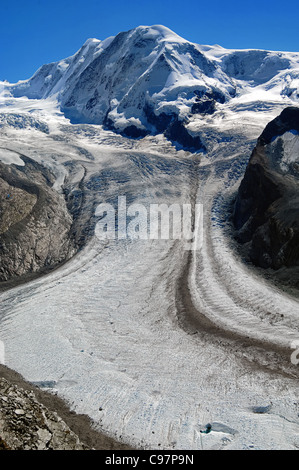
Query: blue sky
(34,32)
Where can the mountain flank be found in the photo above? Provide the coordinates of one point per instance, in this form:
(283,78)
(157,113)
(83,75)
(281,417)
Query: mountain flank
(266,213)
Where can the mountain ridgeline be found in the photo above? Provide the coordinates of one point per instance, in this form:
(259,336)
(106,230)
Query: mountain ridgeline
(149,80)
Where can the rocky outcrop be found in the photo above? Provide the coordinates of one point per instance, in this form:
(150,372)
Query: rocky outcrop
(33,418)
(35,223)
(26,424)
(266,213)
(175,130)
(177,133)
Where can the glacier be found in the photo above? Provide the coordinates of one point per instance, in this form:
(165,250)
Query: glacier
(150,340)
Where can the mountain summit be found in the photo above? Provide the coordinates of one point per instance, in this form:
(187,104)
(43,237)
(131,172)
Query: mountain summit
(150,80)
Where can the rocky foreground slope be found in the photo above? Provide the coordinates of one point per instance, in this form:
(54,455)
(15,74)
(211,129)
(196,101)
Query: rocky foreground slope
(266,213)
(32,419)
(26,424)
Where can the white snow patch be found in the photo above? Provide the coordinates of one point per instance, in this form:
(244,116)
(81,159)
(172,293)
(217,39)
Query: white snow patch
(290,149)
(10,158)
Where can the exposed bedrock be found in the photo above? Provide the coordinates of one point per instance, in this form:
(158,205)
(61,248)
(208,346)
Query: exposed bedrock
(266,213)
(170,125)
(35,224)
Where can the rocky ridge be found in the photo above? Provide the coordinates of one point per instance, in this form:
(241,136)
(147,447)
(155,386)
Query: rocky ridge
(35,223)
(266,211)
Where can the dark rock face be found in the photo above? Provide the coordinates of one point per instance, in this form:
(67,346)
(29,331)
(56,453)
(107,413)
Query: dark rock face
(177,132)
(206,102)
(288,120)
(160,121)
(134,132)
(169,125)
(266,213)
(34,222)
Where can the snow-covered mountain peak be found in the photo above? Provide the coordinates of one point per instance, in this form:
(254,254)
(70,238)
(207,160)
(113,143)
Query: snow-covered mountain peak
(146,79)
(159,32)
(90,41)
